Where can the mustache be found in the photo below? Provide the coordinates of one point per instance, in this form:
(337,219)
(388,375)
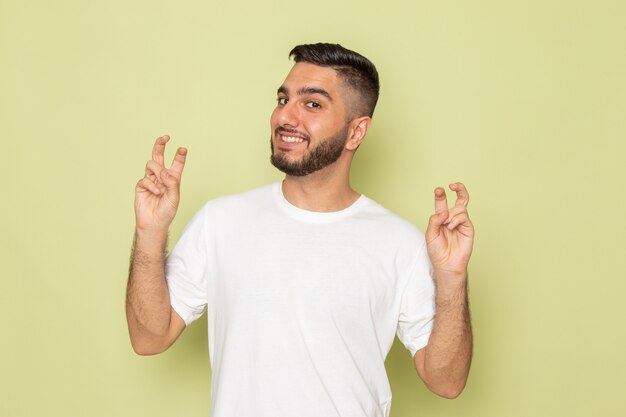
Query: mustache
(283,130)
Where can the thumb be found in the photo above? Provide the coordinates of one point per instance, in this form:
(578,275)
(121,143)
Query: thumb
(170,181)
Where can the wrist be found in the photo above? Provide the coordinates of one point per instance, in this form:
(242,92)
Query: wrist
(151,240)
(451,285)
(153,232)
(453,277)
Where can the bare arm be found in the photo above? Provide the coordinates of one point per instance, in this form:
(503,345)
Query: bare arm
(152,323)
(445,362)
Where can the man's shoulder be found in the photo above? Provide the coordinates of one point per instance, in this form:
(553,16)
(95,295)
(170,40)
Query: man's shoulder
(391,222)
(246,200)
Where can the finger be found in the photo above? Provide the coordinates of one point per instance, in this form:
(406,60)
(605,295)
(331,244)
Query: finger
(459,220)
(153,170)
(462,196)
(435,223)
(172,187)
(441,201)
(158,150)
(146,184)
(170,181)
(178,163)
(455,211)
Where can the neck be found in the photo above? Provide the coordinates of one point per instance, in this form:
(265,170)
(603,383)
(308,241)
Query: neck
(326,190)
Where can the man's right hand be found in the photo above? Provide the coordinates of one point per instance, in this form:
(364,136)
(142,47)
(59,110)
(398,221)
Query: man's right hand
(157,194)
(152,322)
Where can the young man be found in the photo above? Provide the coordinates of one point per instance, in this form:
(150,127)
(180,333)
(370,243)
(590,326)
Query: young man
(306,282)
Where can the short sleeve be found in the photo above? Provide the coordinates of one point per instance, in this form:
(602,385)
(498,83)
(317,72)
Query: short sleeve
(417,309)
(186,270)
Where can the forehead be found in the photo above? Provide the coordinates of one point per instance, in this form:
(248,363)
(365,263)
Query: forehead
(304,74)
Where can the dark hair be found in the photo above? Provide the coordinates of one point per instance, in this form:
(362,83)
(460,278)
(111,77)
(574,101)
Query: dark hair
(356,71)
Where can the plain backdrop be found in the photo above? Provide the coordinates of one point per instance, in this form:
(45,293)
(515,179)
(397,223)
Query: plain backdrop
(524,101)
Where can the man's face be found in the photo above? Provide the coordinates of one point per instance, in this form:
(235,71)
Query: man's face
(309,127)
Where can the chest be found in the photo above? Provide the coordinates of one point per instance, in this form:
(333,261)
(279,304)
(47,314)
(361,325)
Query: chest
(268,271)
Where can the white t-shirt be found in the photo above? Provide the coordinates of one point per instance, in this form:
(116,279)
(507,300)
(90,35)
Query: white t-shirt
(302,306)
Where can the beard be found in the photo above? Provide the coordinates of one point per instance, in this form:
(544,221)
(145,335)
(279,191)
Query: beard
(325,153)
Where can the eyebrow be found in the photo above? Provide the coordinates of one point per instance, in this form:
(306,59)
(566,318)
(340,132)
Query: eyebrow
(306,90)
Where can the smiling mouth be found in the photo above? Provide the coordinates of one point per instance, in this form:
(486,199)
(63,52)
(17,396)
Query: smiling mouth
(291,136)
(291,139)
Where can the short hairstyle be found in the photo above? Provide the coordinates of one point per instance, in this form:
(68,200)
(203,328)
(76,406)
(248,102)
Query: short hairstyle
(357,72)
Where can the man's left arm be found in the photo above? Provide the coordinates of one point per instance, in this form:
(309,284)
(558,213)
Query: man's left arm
(444,363)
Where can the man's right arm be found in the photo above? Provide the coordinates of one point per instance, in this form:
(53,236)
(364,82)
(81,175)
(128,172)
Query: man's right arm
(153,324)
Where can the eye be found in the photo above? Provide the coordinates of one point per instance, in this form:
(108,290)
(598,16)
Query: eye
(313,105)
(282,101)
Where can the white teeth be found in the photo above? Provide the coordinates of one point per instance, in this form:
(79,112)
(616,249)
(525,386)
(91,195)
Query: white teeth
(291,139)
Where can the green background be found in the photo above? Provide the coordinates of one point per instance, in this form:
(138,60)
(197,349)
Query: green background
(523,101)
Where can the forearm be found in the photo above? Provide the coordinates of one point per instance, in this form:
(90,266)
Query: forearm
(148,307)
(448,355)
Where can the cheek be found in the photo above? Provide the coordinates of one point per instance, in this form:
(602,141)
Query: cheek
(316,125)
(323,128)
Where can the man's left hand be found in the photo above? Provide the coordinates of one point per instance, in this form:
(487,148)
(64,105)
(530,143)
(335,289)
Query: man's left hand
(450,233)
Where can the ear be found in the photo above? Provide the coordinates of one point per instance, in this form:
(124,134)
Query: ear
(357,132)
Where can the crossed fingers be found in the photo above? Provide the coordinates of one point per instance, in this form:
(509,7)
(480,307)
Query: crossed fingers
(458,213)
(158,151)
(156,174)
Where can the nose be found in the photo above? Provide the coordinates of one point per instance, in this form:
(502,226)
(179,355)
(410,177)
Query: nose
(286,115)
